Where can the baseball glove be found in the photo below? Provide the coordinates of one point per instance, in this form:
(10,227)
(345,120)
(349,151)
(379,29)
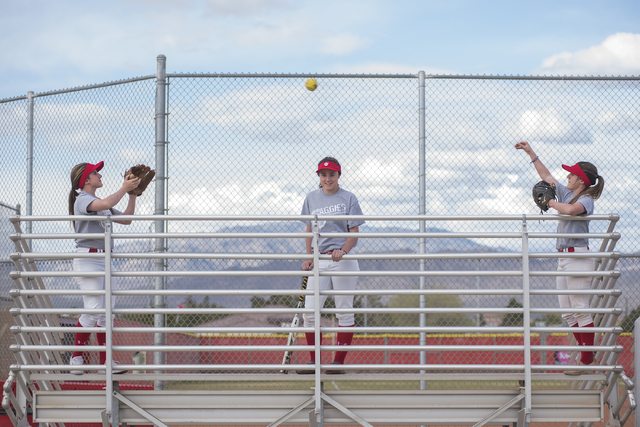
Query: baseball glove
(145,173)
(543,193)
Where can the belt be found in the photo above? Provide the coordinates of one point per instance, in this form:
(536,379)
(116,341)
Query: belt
(571,249)
(328,252)
(97,250)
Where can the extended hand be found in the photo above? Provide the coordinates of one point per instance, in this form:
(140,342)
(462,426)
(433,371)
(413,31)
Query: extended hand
(130,184)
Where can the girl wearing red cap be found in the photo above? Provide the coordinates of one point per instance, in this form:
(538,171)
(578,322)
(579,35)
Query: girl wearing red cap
(85,180)
(576,199)
(330,199)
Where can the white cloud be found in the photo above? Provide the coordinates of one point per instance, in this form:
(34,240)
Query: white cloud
(132,156)
(14,116)
(512,177)
(618,55)
(270,116)
(282,112)
(503,200)
(82,132)
(550,125)
(77,135)
(75,46)
(237,199)
(614,121)
(342,44)
(373,171)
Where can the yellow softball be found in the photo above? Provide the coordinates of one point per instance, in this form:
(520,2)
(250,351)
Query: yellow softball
(311,84)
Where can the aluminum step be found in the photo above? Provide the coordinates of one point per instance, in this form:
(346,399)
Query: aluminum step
(215,407)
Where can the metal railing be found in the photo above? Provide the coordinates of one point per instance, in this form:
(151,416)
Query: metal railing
(39,348)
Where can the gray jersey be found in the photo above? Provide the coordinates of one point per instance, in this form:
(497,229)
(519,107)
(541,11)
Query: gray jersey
(341,202)
(564,196)
(80,208)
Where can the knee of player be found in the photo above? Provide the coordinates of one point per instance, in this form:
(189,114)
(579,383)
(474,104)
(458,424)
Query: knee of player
(309,320)
(89,320)
(345,317)
(584,318)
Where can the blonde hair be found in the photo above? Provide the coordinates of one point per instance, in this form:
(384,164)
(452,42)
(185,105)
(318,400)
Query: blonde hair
(76,175)
(595,190)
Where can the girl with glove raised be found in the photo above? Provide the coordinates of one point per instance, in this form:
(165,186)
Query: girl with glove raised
(330,199)
(85,180)
(575,199)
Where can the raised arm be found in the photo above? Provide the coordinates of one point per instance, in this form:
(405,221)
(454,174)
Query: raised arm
(540,167)
(112,200)
(130,210)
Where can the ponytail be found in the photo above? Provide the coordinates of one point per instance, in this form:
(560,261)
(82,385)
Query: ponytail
(76,174)
(595,191)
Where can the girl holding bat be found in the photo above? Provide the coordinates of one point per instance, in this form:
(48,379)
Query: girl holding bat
(85,180)
(330,199)
(584,185)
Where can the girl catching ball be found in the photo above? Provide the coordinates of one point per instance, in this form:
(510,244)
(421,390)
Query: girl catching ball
(85,180)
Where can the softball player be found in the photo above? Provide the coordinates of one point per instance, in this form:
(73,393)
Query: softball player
(86,179)
(576,198)
(330,199)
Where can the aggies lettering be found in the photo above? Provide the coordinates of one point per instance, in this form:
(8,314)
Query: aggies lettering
(338,208)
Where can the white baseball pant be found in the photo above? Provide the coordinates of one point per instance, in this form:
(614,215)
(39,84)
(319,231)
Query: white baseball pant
(92,284)
(575,283)
(336,283)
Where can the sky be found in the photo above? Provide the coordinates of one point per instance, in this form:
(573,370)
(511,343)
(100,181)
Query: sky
(47,45)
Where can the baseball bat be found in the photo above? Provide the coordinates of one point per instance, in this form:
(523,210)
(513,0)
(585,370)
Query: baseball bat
(291,340)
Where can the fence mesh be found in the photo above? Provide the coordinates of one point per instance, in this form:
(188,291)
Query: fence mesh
(248,145)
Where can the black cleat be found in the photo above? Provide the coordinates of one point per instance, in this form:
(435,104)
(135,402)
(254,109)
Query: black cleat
(307,371)
(336,371)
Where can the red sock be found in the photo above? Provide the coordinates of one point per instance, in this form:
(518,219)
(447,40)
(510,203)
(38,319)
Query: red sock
(102,339)
(82,338)
(311,340)
(578,335)
(344,338)
(587,339)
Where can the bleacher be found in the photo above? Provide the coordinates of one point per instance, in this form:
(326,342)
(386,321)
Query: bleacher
(475,375)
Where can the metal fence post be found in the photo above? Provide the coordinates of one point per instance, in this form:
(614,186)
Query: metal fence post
(29,207)
(317,411)
(159,318)
(109,321)
(526,319)
(422,211)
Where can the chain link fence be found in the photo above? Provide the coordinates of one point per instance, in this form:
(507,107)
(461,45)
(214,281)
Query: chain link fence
(249,145)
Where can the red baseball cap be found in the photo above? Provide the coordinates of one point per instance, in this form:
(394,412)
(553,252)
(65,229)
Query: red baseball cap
(87,171)
(577,170)
(329,165)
